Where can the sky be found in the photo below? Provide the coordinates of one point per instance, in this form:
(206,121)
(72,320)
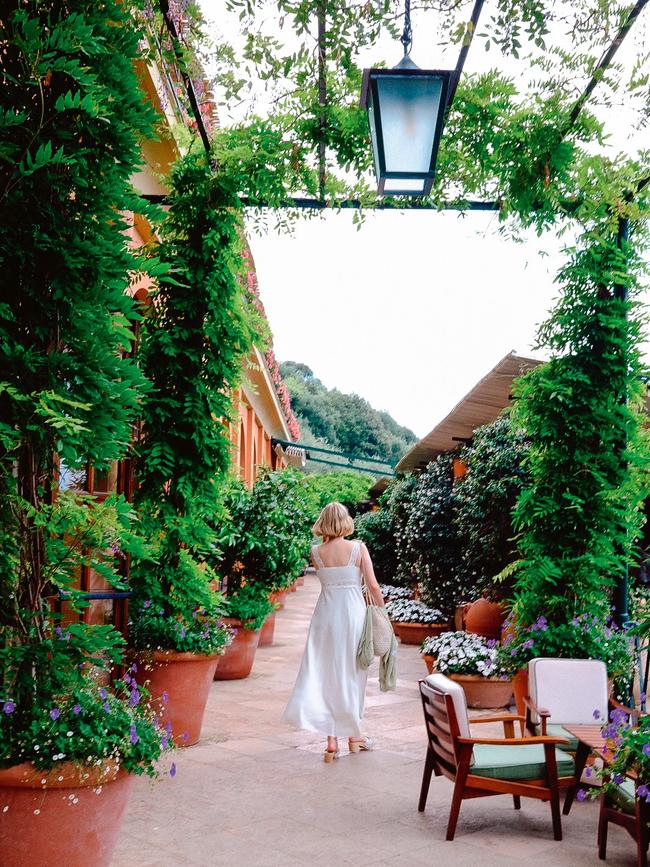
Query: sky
(413,308)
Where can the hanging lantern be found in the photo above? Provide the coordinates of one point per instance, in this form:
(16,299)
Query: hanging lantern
(406,109)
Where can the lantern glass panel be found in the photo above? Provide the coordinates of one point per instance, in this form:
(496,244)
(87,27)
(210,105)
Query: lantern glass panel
(409,108)
(405,185)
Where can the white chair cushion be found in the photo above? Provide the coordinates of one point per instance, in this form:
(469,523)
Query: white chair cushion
(457,693)
(571,689)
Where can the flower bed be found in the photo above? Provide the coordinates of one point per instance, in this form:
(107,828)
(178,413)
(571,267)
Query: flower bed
(411,611)
(391,592)
(472,661)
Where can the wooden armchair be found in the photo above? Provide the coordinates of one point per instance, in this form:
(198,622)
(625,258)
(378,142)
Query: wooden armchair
(565,692)
(625,808)
(531,767)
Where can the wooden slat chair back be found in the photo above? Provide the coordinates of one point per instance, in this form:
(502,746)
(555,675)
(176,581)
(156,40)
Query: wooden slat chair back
(480,767)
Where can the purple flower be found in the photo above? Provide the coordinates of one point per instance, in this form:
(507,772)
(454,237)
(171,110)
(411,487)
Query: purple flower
(491,642)
(575,622)
(527,644)
(103,694)
(161,612)
(164,741)
(642,791)
(146,603)
(58,631)
(127,678)
(134,698)
(168,728)
(588,772)
(581,794)
(186,736)
(172,770)
(9,706)
(513,652)
(646,749)
(183,632)
(165,697)
(106,707)
(133,735)
(642,696)
(55,713)
(596,714)
(618,779)
(134,667)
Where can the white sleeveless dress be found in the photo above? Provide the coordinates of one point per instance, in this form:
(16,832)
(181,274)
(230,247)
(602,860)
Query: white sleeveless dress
(329,692)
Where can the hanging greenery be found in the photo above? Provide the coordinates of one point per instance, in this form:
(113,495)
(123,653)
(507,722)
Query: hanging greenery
(588,457)
(196,337)
(71,122)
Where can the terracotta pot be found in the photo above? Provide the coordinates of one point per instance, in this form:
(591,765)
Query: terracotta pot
(179,684)
(266,632)
(277,597)
(520,687)
(237,661)
(300,581)
(415,633)
(429,661)
(484,691)
(293,587)
(62,820)
(485,618)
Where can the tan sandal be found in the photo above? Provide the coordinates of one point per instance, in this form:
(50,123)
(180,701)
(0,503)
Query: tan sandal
(330,755)
(364,745)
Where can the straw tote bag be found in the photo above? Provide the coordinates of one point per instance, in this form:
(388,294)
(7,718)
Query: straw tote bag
(377,634)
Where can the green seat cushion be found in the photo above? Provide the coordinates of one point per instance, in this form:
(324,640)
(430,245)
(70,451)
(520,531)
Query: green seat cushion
(623,795)
(517,763)
(560,732)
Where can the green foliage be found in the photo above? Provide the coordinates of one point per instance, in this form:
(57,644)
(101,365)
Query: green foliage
(71,123)
(585,636)
(264,534)
(432,549)
(341,486)
(484,500)
(250,604)
(587,462)
(344,421)
(375,530)
(195,338)
(114,726)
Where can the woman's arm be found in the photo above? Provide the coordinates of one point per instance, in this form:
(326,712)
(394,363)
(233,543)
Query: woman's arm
(369,577)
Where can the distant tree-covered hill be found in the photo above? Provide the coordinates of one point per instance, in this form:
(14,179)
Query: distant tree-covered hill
(342,421)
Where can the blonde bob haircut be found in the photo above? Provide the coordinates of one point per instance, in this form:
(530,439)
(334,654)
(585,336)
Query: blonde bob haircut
(333,522)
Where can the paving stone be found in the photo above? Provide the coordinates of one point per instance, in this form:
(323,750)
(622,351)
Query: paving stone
(254,793)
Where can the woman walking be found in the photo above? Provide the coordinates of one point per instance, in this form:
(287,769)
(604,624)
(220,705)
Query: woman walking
(329,692)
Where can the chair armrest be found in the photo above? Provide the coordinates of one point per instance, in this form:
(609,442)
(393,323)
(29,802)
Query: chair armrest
(542,713)
(499,717)
(518,742)
(508,720)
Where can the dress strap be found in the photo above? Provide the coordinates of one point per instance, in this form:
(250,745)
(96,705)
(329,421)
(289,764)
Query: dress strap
(317,558)
(354,554)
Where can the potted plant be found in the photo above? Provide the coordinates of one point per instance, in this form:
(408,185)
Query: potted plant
(195,334)
(248,607)
(414,621)
(263,537)
(585,636)
(473,662)
(69,396)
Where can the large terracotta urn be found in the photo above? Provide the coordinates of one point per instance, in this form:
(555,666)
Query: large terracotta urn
(415,633)
(237,661)
(179,684)
(483,692)
(69,816)
(485,618)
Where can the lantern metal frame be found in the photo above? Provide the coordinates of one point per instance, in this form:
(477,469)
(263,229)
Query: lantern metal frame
(369,90)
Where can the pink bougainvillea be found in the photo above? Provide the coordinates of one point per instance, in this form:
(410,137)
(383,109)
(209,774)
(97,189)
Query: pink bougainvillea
(271,360)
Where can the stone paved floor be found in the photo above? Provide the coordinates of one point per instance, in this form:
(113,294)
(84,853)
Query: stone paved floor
(257,794)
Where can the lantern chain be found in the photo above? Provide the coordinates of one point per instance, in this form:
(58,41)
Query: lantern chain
(407,36)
